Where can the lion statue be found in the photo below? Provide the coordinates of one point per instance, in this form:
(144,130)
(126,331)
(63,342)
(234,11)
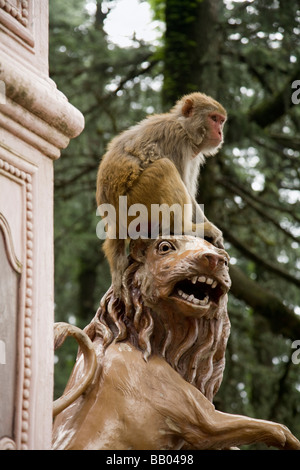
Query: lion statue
(159,357)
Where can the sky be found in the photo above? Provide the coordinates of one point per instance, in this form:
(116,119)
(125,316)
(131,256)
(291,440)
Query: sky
(128,18)
(134,17)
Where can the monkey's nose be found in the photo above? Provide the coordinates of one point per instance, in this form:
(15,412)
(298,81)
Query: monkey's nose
(213,260)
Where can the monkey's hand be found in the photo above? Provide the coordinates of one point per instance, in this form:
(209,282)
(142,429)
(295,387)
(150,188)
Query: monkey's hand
(213,235)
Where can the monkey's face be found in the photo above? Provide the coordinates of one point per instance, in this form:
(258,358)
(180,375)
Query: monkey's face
(186,275)
(214,138)
(203,119)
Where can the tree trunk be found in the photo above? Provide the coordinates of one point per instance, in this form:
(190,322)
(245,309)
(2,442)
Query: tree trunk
(191,64)
(190,41)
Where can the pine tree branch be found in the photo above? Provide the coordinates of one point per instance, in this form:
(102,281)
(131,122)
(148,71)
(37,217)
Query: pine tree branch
(256,205)
(282,389)
(60,183)
(287,142)
(272,267)
(282,320)
(269,110)
(240,190)
(133,73)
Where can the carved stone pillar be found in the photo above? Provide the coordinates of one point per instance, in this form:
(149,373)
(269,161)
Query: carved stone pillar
(36,122)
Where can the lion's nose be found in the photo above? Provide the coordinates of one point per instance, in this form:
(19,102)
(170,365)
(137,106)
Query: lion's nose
(213,260)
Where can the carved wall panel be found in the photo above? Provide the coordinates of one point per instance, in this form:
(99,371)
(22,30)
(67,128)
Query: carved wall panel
(36,122)
(18,9)
(23,23)
(16,15)
(16,300)
(9,288)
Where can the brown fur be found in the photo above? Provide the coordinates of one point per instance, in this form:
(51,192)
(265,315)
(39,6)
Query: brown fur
(158,162)
(161,360)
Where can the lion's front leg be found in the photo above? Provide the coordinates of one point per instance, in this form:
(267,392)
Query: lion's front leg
(235,430)
(193,418)
(216,430)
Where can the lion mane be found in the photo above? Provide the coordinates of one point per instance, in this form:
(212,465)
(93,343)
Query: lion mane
(194,347)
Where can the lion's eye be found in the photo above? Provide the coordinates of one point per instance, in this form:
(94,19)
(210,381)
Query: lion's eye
(165,247)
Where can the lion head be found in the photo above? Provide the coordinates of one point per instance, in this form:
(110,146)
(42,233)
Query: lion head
(174,304)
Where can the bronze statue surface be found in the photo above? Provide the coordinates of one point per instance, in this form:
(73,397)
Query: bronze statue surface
(160,353)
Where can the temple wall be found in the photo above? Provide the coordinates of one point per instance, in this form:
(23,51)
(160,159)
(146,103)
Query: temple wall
(36,123)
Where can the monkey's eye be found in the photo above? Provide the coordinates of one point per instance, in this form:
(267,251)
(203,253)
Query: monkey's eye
(165,247)
(217,118)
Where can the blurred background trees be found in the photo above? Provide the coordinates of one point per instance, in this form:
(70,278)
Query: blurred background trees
(246,54)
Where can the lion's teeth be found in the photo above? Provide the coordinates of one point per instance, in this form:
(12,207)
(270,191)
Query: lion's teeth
(214,284)
(182,294)
(194,279)
(192,299)
(204,301)
(201,278)
(209,280)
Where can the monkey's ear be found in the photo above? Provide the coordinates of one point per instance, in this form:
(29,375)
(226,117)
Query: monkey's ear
(187,108)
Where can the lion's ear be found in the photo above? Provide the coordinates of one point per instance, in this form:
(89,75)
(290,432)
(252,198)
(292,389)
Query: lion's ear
(138,248)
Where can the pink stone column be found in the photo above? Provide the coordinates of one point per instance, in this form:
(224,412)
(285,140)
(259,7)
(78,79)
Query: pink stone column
(36,122)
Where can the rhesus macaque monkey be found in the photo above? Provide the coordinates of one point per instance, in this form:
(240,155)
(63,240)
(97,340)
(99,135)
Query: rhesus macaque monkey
(157,162)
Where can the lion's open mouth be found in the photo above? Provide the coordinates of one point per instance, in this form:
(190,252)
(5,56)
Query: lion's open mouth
(199,290)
